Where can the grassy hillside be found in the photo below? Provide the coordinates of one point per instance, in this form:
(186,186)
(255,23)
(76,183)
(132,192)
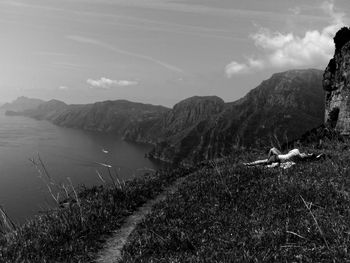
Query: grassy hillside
(230,213)
(75,233)
(224,212)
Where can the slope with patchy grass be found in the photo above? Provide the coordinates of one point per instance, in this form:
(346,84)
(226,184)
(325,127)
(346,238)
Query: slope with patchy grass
(231,213)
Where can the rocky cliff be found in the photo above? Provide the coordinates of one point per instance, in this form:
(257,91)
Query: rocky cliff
(177,132)
(336,83)
(178,121)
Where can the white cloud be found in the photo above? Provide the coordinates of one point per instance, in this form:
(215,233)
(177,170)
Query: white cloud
(296,10)
(105,83)
(127,83)
(63,88)
(235,67)
(290,50)
(96,42)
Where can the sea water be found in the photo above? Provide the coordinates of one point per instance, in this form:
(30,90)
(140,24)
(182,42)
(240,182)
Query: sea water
(66,153)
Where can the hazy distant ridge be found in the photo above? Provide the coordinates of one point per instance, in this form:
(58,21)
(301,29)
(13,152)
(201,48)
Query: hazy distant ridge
(22,104)
(106,116)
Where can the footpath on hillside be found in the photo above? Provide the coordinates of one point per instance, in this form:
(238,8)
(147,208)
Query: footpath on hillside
(111,253)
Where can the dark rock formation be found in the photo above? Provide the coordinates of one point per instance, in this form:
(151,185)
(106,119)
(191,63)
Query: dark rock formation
(176,131)
(336,83)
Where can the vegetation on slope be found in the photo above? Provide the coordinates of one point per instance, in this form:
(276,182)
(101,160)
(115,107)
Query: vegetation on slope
(230,213)
(75,233)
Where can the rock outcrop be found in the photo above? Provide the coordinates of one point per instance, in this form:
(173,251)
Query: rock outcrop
(336,83)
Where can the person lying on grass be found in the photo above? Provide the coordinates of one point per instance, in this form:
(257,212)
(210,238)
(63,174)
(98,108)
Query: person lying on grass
(276,158)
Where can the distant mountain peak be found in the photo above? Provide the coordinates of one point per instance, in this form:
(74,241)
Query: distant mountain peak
(295,73)
(22,103)
(199,101)
(193,110)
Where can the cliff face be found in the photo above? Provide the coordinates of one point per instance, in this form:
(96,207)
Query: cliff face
(336,84)
(176,132)
(284,106)
(190,112)
(176,122)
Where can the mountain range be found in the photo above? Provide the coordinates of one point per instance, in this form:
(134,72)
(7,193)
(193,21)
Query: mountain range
(21,104)
(198,128)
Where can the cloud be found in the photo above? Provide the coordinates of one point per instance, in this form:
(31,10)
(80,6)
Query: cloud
(296,10)
(63,88)
(105,83)
(280,50)
(96,42)
(235,67)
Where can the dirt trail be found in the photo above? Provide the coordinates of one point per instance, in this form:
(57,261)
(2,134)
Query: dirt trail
(111,253)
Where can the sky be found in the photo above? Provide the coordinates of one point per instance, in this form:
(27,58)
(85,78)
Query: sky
(159,51)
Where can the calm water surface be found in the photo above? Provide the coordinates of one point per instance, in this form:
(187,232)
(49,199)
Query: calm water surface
(66,153)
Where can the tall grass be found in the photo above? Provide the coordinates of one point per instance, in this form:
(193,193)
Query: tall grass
(76,228)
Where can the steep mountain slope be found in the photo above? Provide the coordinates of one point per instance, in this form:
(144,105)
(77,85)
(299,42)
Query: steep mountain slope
(172,133)
(108,116)
(22,104)
(287,104)
(280,108)
(176,123)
